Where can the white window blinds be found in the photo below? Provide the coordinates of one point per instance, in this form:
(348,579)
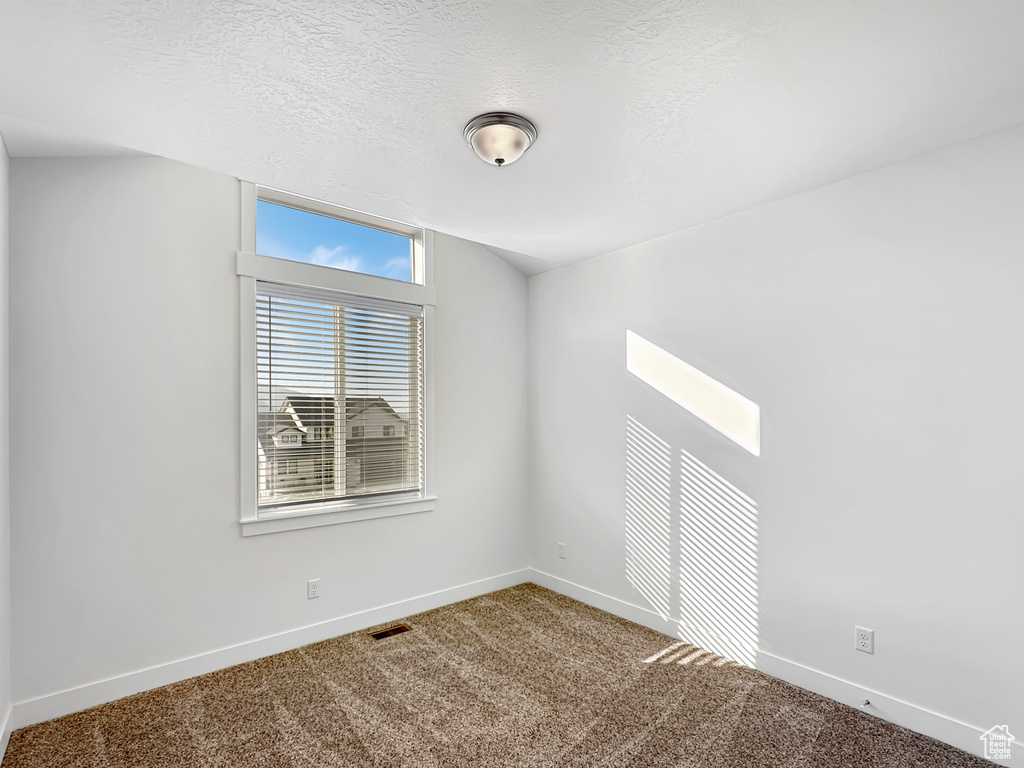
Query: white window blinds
(339,397)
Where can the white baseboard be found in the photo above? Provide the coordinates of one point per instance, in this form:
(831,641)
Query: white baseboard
(635,613)
(911,716)
(916,718)
(64,702)
(5,734)
(919,719)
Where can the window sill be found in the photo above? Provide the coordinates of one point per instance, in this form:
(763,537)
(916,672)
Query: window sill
(291,521)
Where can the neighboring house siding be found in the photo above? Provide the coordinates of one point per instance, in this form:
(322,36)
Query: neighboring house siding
(296,450)
(373,420)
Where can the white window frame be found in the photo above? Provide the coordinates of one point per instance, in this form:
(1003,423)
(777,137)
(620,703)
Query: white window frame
(252,267)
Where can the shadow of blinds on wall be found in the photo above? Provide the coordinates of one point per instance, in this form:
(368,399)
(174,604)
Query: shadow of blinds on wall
(718,563)
(648,523)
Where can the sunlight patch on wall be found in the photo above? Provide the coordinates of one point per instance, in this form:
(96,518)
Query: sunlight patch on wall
(649,515)
(718,563)
(709,400)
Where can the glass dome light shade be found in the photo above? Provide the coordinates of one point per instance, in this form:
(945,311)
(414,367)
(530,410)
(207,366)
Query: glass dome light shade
(500,138)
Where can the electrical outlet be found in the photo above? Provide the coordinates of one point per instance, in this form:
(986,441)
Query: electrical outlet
(312,589)
(561,550)
(864,639)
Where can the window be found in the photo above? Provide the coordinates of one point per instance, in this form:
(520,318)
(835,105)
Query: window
(326,342)
(327,356)
(317,239)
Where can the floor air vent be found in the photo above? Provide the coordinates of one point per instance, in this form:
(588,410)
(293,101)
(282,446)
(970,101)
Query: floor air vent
(395,630)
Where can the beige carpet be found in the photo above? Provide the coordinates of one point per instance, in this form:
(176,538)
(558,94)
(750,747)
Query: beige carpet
(520,677)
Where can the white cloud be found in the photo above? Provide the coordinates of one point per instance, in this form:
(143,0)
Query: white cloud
(335,257)
(398,267)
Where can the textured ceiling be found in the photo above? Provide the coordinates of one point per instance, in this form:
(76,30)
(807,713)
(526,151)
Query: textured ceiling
(653,116)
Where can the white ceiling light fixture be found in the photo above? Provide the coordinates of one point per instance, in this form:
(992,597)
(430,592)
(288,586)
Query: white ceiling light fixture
(500,138)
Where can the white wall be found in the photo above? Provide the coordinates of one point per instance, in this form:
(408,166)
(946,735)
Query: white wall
(878,323)
(875,321)
(5,497)
(124,337)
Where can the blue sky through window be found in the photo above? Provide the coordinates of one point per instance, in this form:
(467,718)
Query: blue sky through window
(288,233)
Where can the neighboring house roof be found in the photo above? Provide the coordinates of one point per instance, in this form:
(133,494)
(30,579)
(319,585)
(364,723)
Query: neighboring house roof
(303,412)
(270,424)
(317,411)
(311,411)
(356,405)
